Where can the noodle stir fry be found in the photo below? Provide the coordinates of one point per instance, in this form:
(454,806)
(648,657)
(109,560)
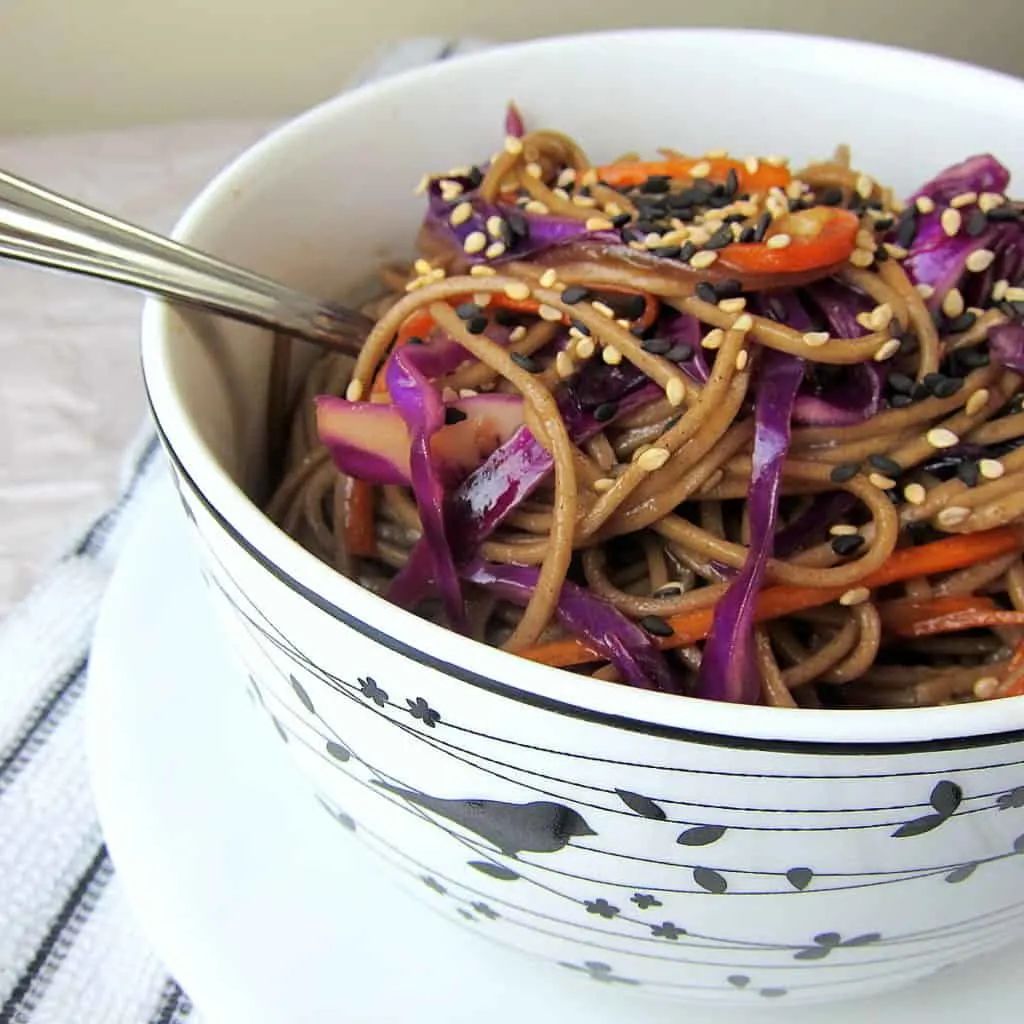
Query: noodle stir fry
(704,425)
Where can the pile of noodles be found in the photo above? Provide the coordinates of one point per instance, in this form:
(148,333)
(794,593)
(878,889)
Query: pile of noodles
(696,424)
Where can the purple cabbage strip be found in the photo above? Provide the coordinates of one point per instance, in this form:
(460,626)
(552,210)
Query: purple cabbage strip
(811,526)
(350,458)
(514,471)
(514,121)
(1006,345)
(685,329)
(729,669)
(420,405)
(632,651)
(981,173)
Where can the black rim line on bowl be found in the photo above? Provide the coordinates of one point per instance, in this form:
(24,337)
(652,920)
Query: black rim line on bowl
(809,747)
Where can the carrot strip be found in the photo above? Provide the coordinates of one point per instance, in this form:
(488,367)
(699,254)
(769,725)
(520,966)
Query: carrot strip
(360,535)
(635,172)
(954,622)
(1013,679)
(940,556)
(902,617)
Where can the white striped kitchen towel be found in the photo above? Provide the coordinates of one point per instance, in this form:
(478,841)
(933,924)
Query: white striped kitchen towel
(70,950)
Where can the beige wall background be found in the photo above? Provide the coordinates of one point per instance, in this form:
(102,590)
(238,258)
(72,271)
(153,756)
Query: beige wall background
(90,63)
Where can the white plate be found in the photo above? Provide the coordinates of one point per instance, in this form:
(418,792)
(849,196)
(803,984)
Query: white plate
(294,924)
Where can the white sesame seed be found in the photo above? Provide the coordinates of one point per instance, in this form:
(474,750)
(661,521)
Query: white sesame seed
(941,437)
(517,333)
(989,201)
(611,355)
(482,299)
(985,687)
(862,258)
(979,260)
(461,214)
(751,163)
(925,204)
(598,224)
(779,241)
(603,484)
(422,267)
(864,186)
(675,391)
(494,250)
(843,530)
(537,207)
(976,402)
(713,339)
(589,177)
(736,305)
(604,309)
(887,350)
(354,391)
(652,240)
(775,160)
(546,312)
(450,190)
(991,469)
(468,393)
(742,358)
(1014,294)
(482,270)
(963,199)
(422,185)
(855,596)
(951,221)
(613,209)
(882,482)
(796,188)
(517,290)
(925,290)
(566,177)
(865,239)
(915,494)
(881,316)
(561,193)
(437,274)
(564,365)
(534,169)
(999,289)
(652,459)
(744,322)
(586,201)
(449,395)
(897,252)
(513,145)
(716,154)
(703,259)
(476,241)
(623,322)
(701,169)
(495,224)
(952,516)
(865,321)
(585,348)
(953,303)
(549,278)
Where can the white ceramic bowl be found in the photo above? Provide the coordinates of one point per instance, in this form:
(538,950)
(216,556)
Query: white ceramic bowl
(691,849)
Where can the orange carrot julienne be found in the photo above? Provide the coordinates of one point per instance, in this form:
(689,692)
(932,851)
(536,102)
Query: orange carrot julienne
(360,535)
(955,622)
(634,172)
(903,617)
(1013,679)
(955,552)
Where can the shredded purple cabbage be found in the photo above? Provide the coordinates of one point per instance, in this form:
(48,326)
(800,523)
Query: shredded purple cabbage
(1006,345)
(729,668)
(621,641)
(420,405)
(981,173)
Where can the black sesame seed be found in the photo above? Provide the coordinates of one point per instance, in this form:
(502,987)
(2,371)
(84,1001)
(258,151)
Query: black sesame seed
(637,330)
(475,177)
(506,317)
(414,341)
(884,223)
(477,325)
(948,387)
(688,197)
(575,293)
(679,352)
(669,424)
(762,225)
(656,346)
(669,590)
(732,182)
(668,252)
(890,467)
(847,543)
(976,223)
(908,228)
(687,251)
(717,202)
(968,472)
(453,415)
(931,379)
(921,391)
(720,239)
(1005,212)
(900,401)
(581,327)
(467,310)
(707,292)
(843,472)
(972,358)
(728,288)
(656,183)
(583,190)
(525,362)
(881,255)
(605,411)
(963,322)
(734,218)
(620,220)
(705,186)
(746,235)
(831,196)
(656,626)
(646,226)
(632,306)
(796,204)
(901,382)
